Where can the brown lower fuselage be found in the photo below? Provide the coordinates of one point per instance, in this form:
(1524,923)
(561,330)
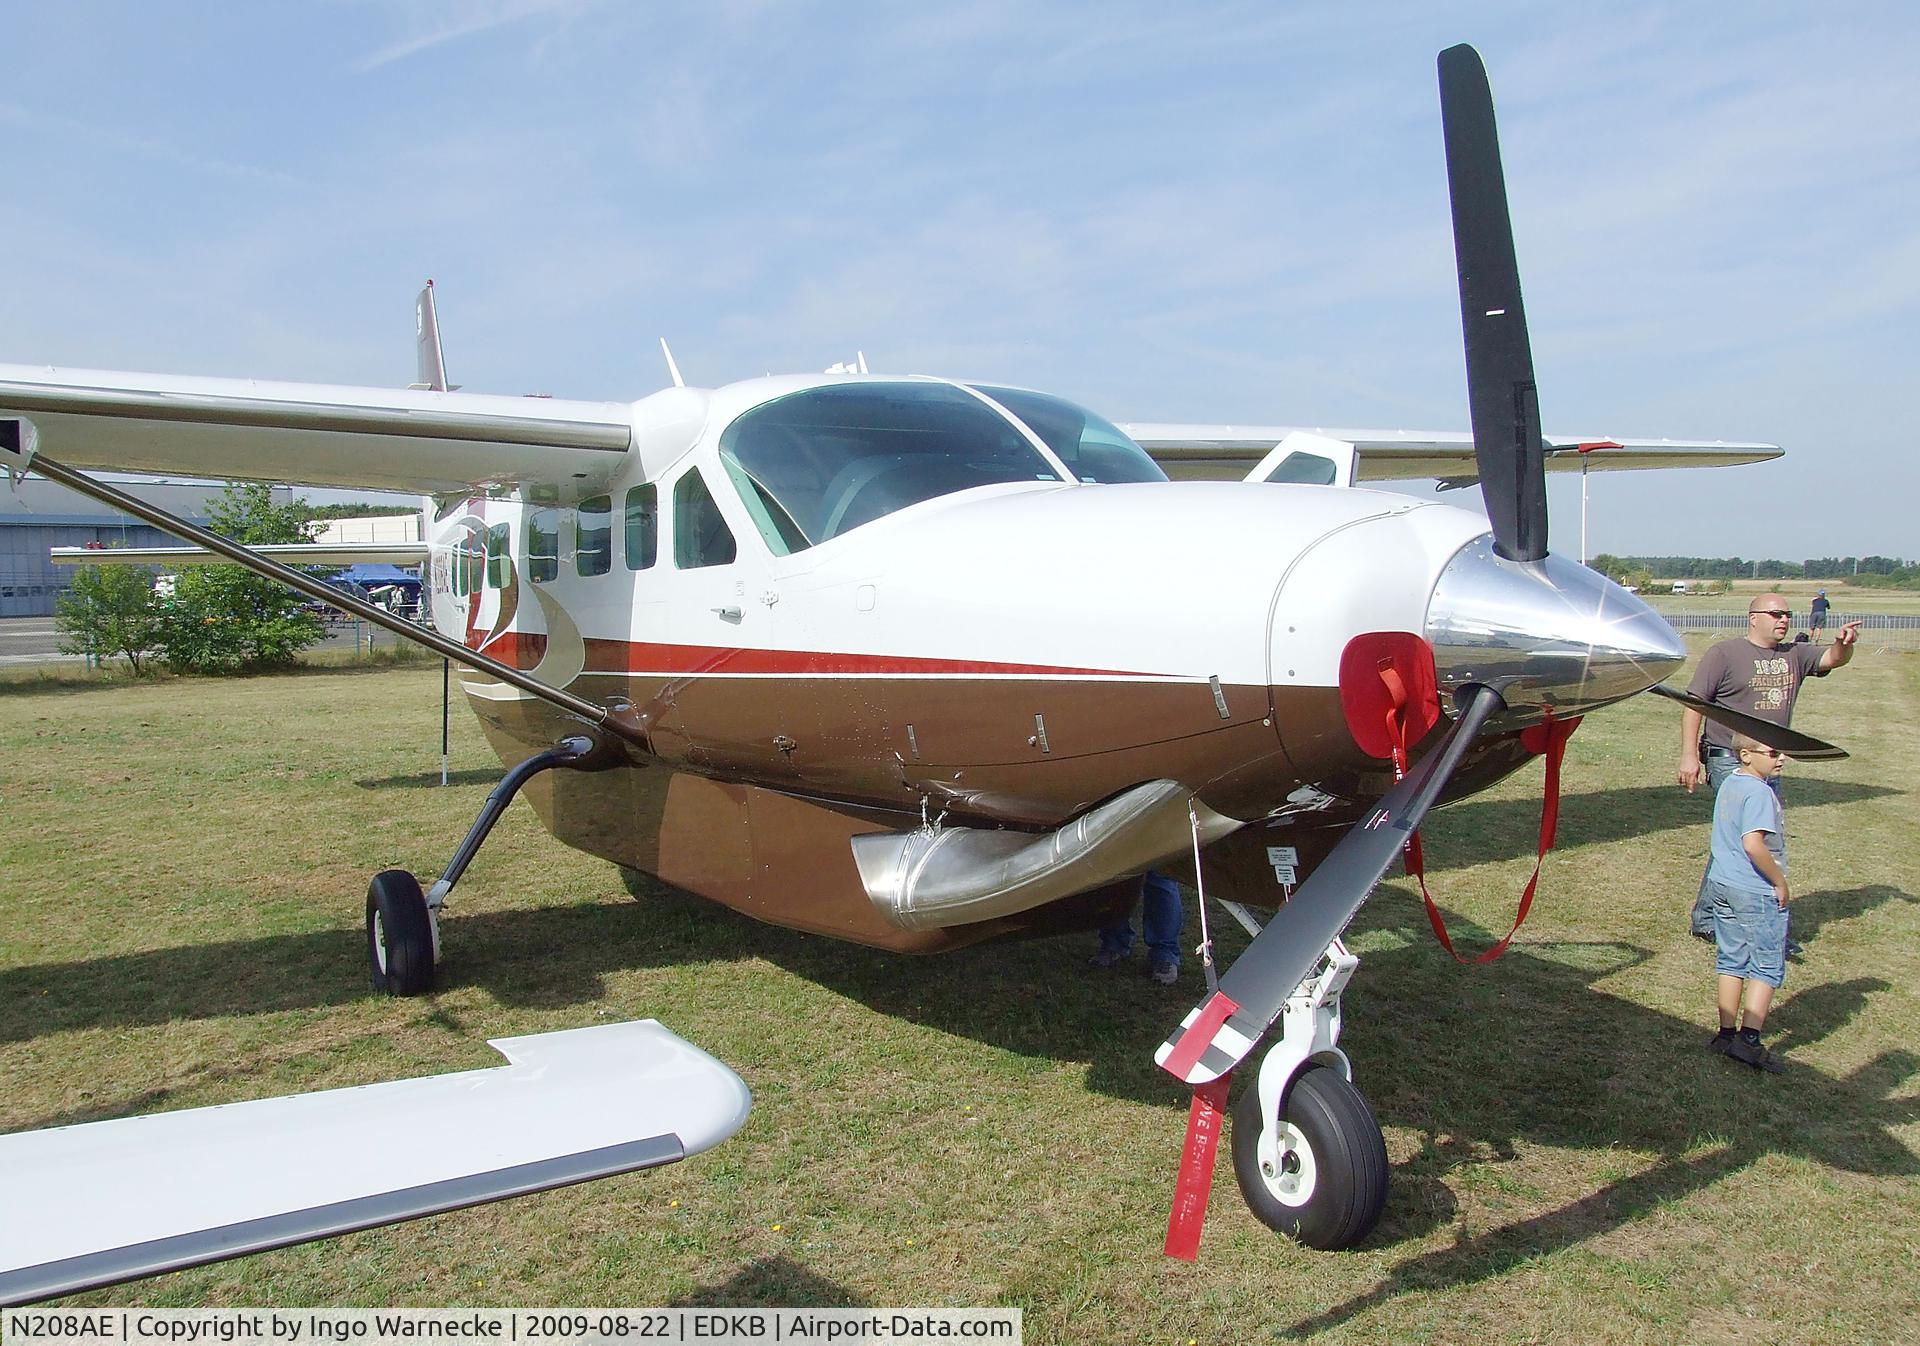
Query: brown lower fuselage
(754,785)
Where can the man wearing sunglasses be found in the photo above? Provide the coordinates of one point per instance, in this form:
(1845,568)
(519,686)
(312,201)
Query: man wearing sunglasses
(1759,673)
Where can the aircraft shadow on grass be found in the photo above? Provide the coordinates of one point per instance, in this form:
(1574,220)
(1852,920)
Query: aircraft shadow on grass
(1535,1055)
(1475,1062)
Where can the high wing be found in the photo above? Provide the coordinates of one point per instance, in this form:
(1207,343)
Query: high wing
(1225,452)
(241,1178)
(310,434)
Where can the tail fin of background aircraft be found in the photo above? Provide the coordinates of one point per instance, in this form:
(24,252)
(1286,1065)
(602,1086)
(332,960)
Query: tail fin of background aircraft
(432,360)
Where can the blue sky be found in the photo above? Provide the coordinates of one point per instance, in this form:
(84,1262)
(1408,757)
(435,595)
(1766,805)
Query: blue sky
(1231,212)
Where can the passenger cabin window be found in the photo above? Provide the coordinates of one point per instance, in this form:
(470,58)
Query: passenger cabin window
(1305,469)
(593,536)
(499,558)
(700,536)
(815,464)
(543,545)
(643,527)
(467,563)
(1094,449)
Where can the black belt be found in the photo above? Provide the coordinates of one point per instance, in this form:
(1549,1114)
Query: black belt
(1713,750)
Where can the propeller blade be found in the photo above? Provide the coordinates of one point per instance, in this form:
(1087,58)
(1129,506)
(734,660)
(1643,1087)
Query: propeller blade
(1256,987)
(1502,401)
(1801,747)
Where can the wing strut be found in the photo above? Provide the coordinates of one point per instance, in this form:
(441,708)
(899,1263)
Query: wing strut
(606,716)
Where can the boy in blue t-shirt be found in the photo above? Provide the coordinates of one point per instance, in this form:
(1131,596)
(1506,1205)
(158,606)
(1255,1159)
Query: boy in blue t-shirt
(1747,879)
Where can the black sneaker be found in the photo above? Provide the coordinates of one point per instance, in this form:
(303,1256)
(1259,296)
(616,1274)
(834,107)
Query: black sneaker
(1750,1053)
(1720,1043)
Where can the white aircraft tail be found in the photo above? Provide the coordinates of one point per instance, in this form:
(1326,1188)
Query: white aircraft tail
(432,360)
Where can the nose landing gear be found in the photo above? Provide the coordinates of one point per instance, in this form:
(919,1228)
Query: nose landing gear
(1307,1152)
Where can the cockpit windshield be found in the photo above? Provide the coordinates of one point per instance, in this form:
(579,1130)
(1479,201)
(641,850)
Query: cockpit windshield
(1092,448)
(815,464)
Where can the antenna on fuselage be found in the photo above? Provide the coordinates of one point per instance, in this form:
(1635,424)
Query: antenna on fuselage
(672,368)
(431,360)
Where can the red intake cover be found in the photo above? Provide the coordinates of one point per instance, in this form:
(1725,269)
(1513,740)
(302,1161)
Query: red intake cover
(1366,697)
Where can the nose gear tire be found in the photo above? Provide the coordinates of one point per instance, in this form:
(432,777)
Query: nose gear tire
(1330,1183)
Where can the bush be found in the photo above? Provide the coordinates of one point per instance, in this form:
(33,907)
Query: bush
(109,610)
(225,619)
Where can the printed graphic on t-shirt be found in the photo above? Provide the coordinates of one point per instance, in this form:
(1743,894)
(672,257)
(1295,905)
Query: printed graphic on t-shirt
(1771,685)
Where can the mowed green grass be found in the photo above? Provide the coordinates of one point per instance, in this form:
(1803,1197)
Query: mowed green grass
(182,871)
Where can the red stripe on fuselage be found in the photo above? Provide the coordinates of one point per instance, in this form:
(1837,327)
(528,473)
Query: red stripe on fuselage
(622,656)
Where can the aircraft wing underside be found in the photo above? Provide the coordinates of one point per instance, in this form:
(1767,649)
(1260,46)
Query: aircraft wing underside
(421,442)
(1226,452)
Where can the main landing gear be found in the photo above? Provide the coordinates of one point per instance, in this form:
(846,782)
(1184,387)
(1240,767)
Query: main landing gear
(403,923)
(1307,1151)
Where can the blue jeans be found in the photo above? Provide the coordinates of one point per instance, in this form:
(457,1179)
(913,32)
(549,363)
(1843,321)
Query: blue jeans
(1719,765)
(1160,919)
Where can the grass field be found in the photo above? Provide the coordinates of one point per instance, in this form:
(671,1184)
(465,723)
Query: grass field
(182,869)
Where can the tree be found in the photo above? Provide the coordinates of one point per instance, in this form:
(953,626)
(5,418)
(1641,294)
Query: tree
(225,619)
(109,610)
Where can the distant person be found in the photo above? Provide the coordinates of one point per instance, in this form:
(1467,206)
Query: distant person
(1747,880)
(1160,920)
(1759,673)
(1817,612)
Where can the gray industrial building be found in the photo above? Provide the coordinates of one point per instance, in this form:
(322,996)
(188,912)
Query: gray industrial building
(37,515)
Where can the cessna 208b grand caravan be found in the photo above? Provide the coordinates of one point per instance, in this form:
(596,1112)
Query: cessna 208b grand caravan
(916,663)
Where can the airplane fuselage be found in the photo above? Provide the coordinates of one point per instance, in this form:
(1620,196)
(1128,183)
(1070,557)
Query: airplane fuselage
(1008,654)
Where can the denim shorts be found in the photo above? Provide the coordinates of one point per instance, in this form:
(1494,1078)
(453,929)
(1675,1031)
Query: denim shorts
(1749,934)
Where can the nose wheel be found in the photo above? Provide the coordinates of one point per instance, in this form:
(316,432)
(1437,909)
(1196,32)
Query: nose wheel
(1307,1152)
(1317,1170)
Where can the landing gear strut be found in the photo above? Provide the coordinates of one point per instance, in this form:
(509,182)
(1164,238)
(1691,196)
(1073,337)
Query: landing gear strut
(403,924)
(1307,1151)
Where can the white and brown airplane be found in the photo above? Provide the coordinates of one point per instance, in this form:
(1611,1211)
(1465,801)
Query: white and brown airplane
(916,663)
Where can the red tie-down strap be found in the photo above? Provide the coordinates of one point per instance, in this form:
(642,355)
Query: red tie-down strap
(1195,1184)
(1549,737)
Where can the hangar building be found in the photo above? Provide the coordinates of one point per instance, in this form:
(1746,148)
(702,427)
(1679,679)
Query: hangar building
(36,515)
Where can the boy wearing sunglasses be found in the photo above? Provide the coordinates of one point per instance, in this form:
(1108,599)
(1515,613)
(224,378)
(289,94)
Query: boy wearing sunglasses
(1748,893)
(1759,673)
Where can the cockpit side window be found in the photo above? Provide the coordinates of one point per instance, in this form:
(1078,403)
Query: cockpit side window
(1094,449)
(700,535)
(815,464)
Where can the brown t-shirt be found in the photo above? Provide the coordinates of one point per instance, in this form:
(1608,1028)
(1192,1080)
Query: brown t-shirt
(1739,674)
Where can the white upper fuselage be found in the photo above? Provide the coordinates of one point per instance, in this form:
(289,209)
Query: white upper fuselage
(1132,580)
